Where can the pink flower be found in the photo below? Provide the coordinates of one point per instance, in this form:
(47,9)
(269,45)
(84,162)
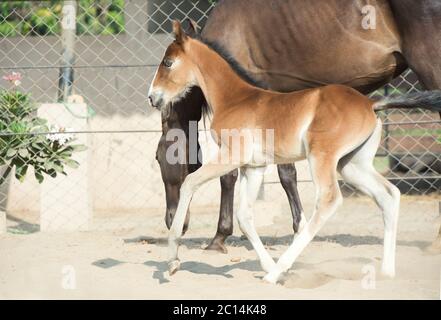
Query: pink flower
(14,78)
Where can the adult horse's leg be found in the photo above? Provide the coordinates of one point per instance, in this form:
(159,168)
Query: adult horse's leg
(225,222)
(288,179)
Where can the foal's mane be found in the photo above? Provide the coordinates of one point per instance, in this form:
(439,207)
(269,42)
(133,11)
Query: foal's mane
(234,64)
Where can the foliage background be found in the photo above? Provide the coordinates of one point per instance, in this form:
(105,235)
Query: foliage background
(43,17)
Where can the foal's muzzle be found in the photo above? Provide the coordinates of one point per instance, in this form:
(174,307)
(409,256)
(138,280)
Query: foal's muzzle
(156,100)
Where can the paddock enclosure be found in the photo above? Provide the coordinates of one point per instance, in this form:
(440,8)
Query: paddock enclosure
(105,219)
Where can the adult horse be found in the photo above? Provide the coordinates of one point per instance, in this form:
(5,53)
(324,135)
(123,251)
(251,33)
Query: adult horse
(296,44)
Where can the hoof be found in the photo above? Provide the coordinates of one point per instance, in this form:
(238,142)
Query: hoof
(271,278)
(185,229)
(302,223)
(173,267)
(217,245)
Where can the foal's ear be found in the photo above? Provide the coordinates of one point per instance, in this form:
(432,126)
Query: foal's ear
(179,33)
(191,28)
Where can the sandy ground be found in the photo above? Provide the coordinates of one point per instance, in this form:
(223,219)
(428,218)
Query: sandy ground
(341,263)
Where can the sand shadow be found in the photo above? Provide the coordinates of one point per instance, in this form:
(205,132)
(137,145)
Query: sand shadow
(202,268)
(161,267)
(22,227)
(192,243)
(201,242)
(313,277)
(345,240)
(349,240)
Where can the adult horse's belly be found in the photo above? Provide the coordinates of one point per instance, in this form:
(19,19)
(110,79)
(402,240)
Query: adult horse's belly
(297,44)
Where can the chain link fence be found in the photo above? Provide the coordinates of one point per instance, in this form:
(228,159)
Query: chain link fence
(116,182)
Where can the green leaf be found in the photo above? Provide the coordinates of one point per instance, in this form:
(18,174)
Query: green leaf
(48,165)
(58,168)
(52,173)
(37,145)
(11,153)
(72,163)
(20,172)
(24,153)
(39,176)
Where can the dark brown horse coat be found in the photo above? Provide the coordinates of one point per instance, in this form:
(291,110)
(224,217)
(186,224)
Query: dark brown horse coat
(296,44)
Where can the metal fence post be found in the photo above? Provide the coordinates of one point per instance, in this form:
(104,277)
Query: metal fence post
(68,33)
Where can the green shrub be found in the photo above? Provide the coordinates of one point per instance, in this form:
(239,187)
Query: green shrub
(24,142)
(44,22)
(8,29)
(115,22)
(43,18)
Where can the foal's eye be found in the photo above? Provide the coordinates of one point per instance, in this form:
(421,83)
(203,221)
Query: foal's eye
(167,63)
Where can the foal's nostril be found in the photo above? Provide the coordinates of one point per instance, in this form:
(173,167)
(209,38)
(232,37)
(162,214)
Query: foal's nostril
(155,100)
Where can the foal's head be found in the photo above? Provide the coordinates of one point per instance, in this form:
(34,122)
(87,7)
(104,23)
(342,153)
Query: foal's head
(174,77)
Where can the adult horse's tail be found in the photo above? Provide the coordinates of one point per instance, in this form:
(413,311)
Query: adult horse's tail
(429,100)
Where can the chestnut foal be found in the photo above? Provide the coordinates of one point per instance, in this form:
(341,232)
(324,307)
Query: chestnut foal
(334,127)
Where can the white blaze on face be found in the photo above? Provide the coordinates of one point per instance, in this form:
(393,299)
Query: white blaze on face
(166,95)
(151,84)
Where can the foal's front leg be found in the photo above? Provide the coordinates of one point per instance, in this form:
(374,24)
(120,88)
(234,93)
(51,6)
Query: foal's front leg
(192,182)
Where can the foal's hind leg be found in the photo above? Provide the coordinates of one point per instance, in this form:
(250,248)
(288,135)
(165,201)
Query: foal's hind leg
(328,198)
(357,169)
(364,177)
(250,181)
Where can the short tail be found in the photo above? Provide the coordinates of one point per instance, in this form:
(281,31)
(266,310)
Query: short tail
(429,100)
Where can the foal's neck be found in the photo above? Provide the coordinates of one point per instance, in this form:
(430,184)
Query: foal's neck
(223,88)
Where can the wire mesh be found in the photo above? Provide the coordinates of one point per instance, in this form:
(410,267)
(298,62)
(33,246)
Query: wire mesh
(118,45)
